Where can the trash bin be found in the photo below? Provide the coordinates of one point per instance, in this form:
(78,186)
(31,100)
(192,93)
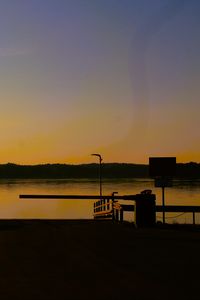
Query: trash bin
(145,210)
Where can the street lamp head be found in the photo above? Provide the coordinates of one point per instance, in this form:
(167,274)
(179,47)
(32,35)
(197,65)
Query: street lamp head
(97,154)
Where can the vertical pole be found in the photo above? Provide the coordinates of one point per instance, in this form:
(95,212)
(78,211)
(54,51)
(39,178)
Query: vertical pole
(100,175)
(193,213)
(163,203)
(100,178)
(113,201)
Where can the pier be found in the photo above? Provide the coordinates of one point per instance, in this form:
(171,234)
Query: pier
(143,206)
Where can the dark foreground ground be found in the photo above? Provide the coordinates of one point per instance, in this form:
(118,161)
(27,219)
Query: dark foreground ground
(97,260)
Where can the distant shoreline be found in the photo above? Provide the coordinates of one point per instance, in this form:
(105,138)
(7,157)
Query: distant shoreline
(189,170)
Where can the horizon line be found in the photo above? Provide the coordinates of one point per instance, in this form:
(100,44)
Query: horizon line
(93,163)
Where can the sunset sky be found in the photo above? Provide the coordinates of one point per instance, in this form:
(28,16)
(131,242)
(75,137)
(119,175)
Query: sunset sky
(116,77)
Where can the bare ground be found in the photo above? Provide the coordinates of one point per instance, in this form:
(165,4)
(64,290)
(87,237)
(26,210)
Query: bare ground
(97,260)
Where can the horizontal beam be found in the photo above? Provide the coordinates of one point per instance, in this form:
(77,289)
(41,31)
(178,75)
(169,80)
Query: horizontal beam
(78,197)
(167,208)
(178,208)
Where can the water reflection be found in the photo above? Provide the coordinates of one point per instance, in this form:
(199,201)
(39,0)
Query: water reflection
(187,184)
(184,192)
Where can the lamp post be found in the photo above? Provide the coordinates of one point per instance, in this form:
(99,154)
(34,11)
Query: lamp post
(100,174)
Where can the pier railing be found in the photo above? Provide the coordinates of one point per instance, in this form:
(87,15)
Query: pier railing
(109,207)
(119,209)
(103,208)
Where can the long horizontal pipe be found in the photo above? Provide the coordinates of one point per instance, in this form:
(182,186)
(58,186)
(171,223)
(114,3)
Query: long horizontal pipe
(86,197)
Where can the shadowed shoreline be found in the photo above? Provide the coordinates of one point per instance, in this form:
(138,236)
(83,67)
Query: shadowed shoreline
(86,259)
(109,170)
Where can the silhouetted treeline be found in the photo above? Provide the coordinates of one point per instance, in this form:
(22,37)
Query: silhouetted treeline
(113,170)
(109,170)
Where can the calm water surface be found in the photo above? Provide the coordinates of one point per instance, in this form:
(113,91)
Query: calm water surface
(182,193)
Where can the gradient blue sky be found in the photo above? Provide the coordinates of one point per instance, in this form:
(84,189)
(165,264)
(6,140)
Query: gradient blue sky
(116,77)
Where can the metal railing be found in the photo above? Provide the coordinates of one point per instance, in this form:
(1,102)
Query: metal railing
(109,207)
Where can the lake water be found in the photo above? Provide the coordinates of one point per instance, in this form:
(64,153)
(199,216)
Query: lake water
(184,192)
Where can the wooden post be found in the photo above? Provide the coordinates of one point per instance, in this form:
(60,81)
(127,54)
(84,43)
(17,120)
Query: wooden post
(121,215)
(112,203)
(113,214)
(117,215)
(163,203)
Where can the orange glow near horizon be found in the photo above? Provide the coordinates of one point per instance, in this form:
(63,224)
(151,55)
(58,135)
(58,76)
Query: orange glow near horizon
(99,78)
